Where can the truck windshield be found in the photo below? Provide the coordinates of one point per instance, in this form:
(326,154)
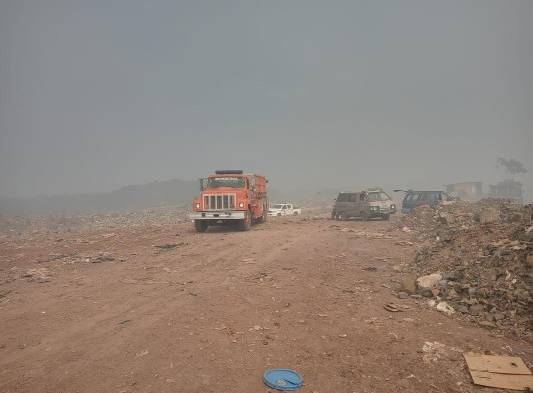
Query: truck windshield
(277,207)
(233,182)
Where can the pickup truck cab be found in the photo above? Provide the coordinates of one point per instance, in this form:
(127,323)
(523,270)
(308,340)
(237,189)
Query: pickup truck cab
(284,209)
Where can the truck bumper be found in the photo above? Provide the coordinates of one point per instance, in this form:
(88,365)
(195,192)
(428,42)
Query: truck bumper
(230,215)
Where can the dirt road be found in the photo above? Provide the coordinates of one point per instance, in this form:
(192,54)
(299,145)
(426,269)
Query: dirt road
(211,313)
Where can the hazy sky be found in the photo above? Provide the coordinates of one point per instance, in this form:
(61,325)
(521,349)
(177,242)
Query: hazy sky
(95,95)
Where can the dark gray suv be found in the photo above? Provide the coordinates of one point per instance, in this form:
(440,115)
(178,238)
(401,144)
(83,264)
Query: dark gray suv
(371,203)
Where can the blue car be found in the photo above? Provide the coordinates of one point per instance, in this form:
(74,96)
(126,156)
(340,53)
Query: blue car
(414,199)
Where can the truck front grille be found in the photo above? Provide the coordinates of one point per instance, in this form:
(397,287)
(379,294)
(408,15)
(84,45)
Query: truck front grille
(219,201)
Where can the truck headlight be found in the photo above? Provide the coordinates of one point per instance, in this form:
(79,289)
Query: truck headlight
(393,206)
(241,204)
(197,205)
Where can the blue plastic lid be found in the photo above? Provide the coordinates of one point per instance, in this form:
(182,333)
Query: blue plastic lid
(283,379)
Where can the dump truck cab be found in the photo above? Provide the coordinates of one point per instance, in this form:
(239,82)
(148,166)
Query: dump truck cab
(230,196)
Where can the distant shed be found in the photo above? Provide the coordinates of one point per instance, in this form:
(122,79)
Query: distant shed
(471,191)
(507,189)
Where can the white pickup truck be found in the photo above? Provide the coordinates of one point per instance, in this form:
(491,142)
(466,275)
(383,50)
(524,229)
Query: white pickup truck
(284,209)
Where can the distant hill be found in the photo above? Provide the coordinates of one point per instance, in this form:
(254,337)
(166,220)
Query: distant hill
(157,193)
(133,197)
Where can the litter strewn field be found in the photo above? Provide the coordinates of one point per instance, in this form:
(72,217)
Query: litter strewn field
(139,302)
(483,256)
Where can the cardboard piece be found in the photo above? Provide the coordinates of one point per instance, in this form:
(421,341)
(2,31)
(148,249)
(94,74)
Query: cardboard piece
(496,364)
(502,381)
(504,372)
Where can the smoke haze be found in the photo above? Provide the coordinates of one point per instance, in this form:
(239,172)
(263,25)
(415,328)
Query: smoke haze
(97,95)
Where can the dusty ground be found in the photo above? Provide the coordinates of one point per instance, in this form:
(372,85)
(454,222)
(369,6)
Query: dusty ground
(213,313)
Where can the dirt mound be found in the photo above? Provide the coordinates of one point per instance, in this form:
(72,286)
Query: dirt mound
(484,252)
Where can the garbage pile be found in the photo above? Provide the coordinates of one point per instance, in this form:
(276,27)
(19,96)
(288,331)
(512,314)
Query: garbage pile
(452,218)
(477,259)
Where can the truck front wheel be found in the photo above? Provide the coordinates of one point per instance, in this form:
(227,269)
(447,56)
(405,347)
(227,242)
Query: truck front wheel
(244,225)
(200,225)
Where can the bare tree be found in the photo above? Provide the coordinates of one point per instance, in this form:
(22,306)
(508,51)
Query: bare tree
(511,166)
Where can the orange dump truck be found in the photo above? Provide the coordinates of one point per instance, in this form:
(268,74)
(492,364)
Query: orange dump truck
(230,196)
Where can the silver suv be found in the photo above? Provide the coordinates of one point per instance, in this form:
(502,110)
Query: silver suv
(371,203)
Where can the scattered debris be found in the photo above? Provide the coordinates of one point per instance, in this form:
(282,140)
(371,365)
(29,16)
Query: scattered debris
(166,246)
(428,282)
(147,282)
(445,308)
(4,292)
(40,275)
(372,320)
(395,307)
(488,215)
(433,351)
(368,235)
(370,268)
(102,258)
(282,379)
(408,284)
